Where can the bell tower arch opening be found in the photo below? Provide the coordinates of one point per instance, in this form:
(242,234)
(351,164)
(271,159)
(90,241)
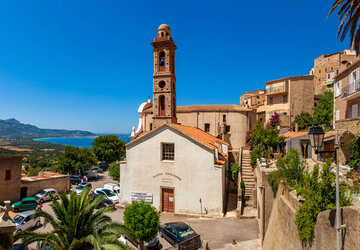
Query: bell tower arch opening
(164,80)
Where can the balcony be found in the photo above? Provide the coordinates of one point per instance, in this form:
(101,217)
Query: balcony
(351,92)
(276,90)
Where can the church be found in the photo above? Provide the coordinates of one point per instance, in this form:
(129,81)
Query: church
(179,155)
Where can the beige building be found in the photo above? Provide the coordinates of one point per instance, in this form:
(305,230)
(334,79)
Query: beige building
(179,169)
(326,67)
(346,107)
(289,97)
(256,101)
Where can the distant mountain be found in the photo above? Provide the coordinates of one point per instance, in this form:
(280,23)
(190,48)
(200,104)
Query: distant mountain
(12,128)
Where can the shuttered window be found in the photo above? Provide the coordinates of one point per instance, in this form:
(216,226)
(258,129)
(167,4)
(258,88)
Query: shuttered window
(8,175)
(337,88)
(337,115)
(354,111)
(168,151)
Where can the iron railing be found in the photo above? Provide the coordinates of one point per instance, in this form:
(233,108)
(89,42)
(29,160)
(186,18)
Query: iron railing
(350,90)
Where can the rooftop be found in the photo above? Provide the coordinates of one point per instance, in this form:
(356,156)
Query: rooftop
(45,175)
(208,108)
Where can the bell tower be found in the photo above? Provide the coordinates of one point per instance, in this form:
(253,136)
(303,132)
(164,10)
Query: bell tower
(164,80)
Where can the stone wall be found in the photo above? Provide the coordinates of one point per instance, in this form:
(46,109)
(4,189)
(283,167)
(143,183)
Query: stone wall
(282,233)
(10,189)
(61,183)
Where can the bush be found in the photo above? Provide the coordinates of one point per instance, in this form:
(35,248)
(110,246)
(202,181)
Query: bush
(319,192)
(114,171)
(234,171)
(254,155)
(274,180)
(304,120)
(354,145)
(291,169)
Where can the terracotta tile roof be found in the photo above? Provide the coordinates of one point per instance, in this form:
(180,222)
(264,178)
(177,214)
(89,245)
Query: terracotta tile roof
(194,133)
(200,135)
(208,108)
(223,154)
(289,135)
(219,163)
(329,134)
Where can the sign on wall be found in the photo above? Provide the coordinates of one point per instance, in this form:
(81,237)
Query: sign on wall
(147,197)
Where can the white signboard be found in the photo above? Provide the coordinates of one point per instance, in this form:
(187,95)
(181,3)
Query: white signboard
(147,197)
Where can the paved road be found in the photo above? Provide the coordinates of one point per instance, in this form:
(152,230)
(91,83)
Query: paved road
(218,232)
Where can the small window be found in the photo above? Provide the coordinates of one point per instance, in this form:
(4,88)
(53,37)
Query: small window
(270,100)
(227,129)
(325,70)
(354,111)
(207,127)
(328,59)
(337,115)
(285,98)
(319,62)
(285,113)
(224,118)
(7,175)
(168,152)
(335,58)
(150,126)
(337,71)
(319,70)
(328,76)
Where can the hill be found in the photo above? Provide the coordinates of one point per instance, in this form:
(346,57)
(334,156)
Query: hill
(13,129)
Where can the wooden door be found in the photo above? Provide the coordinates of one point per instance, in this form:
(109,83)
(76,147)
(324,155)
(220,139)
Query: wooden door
(168,200)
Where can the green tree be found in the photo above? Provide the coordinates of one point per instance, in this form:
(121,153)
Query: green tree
(319,191)
(114,171)
(109,148)
(304,120)
(349,16)
(77,225)
(354,146)
(143,219)
(263,139)
(323,113)
(234,171)
(76,159)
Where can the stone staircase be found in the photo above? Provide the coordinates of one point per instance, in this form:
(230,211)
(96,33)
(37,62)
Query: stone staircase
(248,176)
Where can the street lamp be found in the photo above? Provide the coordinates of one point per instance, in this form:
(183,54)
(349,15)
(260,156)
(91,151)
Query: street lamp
(316,135)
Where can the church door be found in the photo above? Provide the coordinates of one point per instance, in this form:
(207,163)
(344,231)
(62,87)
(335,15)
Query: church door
(168,200)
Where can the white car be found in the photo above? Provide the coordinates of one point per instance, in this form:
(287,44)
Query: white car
(45,194)
(108,194)
(25,221)
(113,187)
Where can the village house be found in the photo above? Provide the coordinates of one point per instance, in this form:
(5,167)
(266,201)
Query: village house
(326,67)
(255,100)
(18,187)
(346,108)
(289,97)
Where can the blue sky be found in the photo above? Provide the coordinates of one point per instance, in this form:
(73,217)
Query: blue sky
(88,64)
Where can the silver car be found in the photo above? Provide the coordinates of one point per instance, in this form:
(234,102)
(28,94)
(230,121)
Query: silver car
(25,221)
(45,194)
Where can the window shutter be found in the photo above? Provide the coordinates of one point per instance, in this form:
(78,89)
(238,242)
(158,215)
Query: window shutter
(339,86)
(337,114)
(351,83)
(354,111)
(336,88)
(356,87)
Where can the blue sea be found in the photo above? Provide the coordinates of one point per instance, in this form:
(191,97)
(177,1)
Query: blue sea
(83,142)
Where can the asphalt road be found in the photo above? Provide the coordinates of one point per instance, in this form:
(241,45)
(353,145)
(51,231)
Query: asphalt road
(216,231)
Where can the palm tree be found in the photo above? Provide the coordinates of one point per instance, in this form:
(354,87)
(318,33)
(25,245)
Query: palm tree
(349,14)
(78,225)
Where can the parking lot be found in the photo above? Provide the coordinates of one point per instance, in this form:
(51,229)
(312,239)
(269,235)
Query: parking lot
(217,232)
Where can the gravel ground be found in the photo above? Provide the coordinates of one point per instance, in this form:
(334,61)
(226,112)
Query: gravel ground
(217,232)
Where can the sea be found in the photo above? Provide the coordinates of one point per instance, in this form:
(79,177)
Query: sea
(82,142)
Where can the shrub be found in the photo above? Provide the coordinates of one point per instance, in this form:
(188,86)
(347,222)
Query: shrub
(304,120)
(234,171)
(354,145)
(319,192)
(291,169)
(274,180)
(114,171)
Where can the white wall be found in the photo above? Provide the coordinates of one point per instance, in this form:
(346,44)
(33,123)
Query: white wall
(193,165)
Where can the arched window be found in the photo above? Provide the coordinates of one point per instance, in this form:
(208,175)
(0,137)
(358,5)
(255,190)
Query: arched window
(162,61)
(162,105)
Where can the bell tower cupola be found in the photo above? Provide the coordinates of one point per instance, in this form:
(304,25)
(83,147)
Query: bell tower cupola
(164,80)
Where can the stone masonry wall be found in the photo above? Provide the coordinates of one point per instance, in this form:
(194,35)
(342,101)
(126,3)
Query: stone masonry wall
(10,188)
(58,183)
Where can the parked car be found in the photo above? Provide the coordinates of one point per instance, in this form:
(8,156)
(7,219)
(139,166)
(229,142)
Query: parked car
(43,245)
(180,235)
(19,246)
(75,179)
(45,195)
(105,202)
(113,187)
(108,194)
(97,169)
(81,187)
(25,204)
(104,166)
(91,174)
(25,221)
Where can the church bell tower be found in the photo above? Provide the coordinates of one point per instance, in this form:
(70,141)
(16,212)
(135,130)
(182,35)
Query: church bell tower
(164,80)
